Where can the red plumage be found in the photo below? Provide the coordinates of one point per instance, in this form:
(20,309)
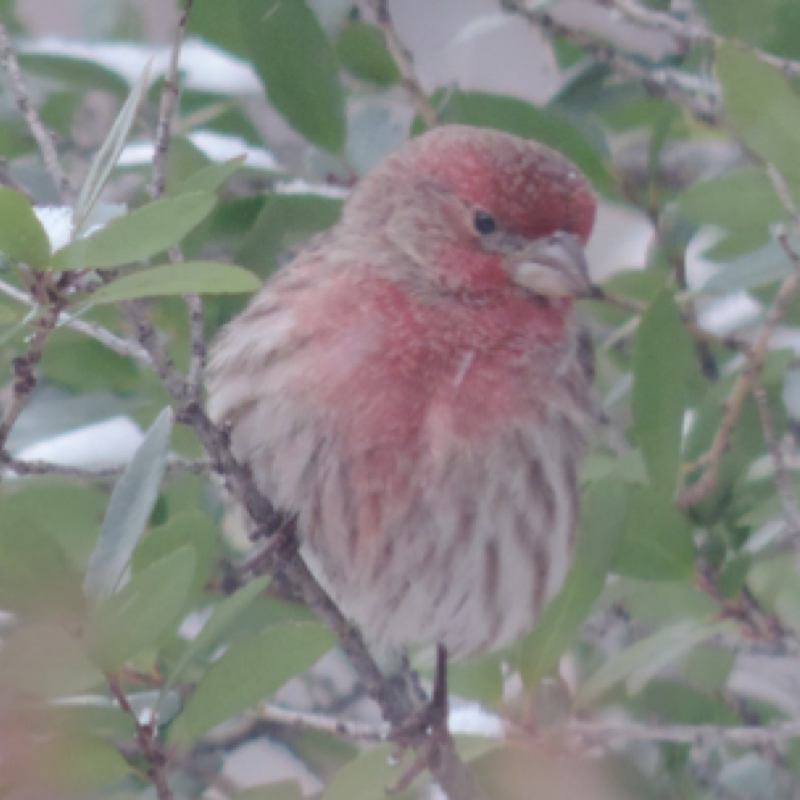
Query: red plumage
(413,387)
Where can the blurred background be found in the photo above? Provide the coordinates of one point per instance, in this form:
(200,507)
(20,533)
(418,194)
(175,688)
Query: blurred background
(673,671)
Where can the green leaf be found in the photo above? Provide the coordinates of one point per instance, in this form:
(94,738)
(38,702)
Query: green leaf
(659,603)
(361,50)
(36,577)
(761,107)
(41,503)
(284,222)
(680,704)
(96,718)
(188,277)
(218,23)
(524,119)
(126,623)
(22,237)
(43,660)
(742,201)
(297,66)
(776,584)
(657,540)
(602,512)
(128,511)
(367,777)
(663,369)
(764,266)
(479,679)
(224,615)
(73,766)
(108,155)
(192,527)
(280,790)
(77,73)
(639,663)
(137,235)
(746,444)
(250,670)
(708,667)
(208,179)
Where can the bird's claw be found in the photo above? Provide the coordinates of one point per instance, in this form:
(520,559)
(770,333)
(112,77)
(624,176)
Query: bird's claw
(425,729)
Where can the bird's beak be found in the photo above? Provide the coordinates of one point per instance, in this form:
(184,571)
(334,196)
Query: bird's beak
(553,267)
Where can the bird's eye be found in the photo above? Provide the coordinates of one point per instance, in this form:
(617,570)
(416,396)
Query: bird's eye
(484,222)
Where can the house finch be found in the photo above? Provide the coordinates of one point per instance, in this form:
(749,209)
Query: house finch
(414,389)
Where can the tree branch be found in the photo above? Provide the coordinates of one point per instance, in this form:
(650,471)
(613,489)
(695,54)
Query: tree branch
(147,739)
(697,95)
(26,468)
(25,365)
(405,63)
(31,116)
(783,482)
(694,33)
(170,94)
(120,346)
(607,733)
(352,730)
(748,377)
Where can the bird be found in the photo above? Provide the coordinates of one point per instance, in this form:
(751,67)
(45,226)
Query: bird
(415,389)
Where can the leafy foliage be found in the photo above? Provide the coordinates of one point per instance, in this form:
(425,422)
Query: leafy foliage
(129,607)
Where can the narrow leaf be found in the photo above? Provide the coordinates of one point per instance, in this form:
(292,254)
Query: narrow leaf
(74,72)
(367,776)
(641,661)
(763,266)
(249,671)
(740,200)
(108,155)
(22,237)
(663,367)
(188,277)
(132,620)
(361,50)
(43,660)
(128,511)
(207,179)
(284,222)
(219,622)
(279,790)
(297,66)
(74,765)
(657,540)
(761,106)
(602,513)
(138,235)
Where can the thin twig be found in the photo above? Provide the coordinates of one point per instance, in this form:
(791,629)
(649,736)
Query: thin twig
(698,95)
(120,346)
(322,723)
(147,738)
(607,733)
(783,482)
(41,468)
(25,365)
(197,366)
(31,116)
(170,94)
(754,362)
(698,333)
(136,310)
(405,64)
(694,33)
